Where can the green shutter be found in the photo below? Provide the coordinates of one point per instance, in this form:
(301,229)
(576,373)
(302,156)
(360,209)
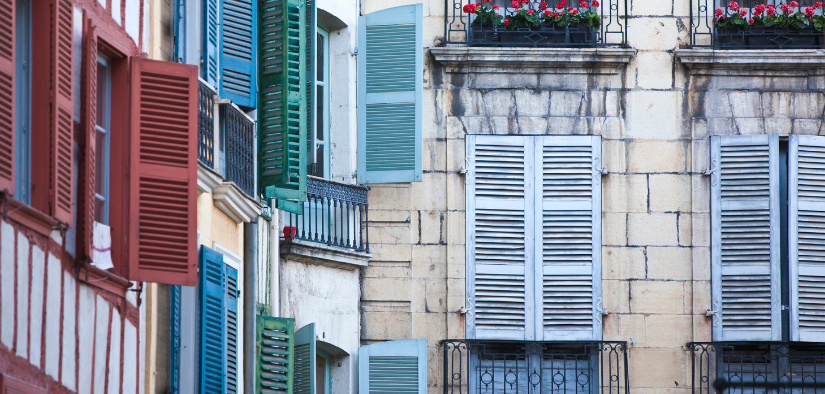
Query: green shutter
(275,349)
(305,360)
(390,78)
(282,172)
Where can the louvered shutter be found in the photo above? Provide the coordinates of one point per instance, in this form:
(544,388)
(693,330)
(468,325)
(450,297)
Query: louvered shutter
(390,86)
(238,51)
(174,339)
(62,110)
(86,181)
(232,359)
(393,367)
(275,347)
(162,222)
(7,94)
(806,206)
(745,238)
(312,76)
(568,248)
(282,123)
(211,42)
(500,222)
(213,322)
(305,360)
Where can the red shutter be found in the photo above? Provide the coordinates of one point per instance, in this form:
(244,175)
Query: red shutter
(62,110)
(7,88)
(163,172)
(86,183)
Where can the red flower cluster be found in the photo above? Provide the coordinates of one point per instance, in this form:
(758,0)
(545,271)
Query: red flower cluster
(719,12)
(583,3)
(543,6)
(471,8)
(734,6)
(514,4)
(771,10)
(742,13)
(758,9)
(595,3)
(794,4)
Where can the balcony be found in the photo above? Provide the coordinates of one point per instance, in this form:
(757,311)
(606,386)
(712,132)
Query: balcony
(536,23)
(758,367)
(756,24)
(206,124)
(501,367)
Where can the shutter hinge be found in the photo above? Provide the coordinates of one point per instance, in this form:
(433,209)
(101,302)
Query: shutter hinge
(785,307)
(466,169)
(355,51)
(603,171)
(710,313)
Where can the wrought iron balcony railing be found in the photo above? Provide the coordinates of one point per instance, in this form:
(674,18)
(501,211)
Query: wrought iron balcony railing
(758,367)
(546,25)
(206,125)
(756,24)
(501,367)
(235,148)
(334,214)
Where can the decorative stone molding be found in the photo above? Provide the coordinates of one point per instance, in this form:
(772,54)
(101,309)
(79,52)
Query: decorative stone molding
(322,254)
(755,62)
(208,179)
(227,196)
(603,60)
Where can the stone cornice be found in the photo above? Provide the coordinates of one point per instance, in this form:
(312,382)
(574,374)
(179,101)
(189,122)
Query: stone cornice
(752,61)
(322,254)
(609,60)
(227,196)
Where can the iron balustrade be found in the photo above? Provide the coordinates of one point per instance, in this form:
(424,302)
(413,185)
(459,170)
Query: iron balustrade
(206,124)
(334,214)
(525,367)
(464,29)
(238,160)
(758,367)
(705,34)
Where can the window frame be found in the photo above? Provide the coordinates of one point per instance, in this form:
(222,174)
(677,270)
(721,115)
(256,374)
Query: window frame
(22,108)
(102,59)
(327,369)
(323,102)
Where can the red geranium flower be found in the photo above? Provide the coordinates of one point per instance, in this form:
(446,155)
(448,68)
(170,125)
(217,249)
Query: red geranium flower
(546,12)
(734,6)
(575,12)
(595,3)
(771,11)
(742,13)
(758,9)
(719,12)
(750,20)
(818,4)
(570,9)
(784,7)
(559,5)
(529,12)
(794,4)
(583,3)
(555,15)
(543,6)
(507,21)
(514,4)
(495,7)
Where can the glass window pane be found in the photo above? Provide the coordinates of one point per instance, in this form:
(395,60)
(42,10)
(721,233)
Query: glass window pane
(319,113)
(100,162)
(102,74)
(320,58)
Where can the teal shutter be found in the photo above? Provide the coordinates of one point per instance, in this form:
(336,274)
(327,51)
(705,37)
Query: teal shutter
(393,367)
(238,42)
(745,260)
(174,338)
(305,360)
(211,41)
(312,77)
(213,322)
(806,206)
(282,172)
(275,351)
(390,78)
(232,333)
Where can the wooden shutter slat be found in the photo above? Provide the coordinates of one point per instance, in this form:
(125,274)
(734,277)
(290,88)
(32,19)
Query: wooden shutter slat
(211,43)
(238,42)
(86,183)
(62,109)
(393,367)
(7,94)
(213,304)
(232,350)
(275,352)
(163,177)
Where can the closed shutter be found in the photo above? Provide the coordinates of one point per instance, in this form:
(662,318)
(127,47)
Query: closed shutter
(86,181)
(500,219)
(238,41)
(174,339)
(282,122)
(390,77)
(568,255)
(305,360)
(806,206)
(7,94)
(213,322)
(163,173)
(211,41)
(232,358)
(275,347)
(393,367)
(745,238)
(62,110)
(312,76)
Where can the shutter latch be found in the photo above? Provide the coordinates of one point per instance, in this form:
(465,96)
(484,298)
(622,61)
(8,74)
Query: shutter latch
(710,313)
(466,169)
(785,307)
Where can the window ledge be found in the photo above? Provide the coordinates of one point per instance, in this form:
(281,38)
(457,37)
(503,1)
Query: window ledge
(323,254)
(227,196)
(607,60)
(29,217)
(104,280)
(751,61)
(208,179)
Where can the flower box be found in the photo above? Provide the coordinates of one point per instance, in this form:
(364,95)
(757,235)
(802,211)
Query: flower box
(730,38)
(776,38)
(537,36)
(581,34)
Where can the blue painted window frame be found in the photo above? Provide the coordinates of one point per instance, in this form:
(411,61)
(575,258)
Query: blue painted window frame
(103,151)
(22,154)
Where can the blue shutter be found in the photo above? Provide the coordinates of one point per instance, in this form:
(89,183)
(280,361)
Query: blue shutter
(304,381)
(231,330)
(211,41)
(213,322)
(238,50)
(174,339)
(393,367)
(390,78)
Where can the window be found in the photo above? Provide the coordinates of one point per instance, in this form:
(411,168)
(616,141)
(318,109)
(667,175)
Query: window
(102,139)
(323,372)
(320,122)
(22,176)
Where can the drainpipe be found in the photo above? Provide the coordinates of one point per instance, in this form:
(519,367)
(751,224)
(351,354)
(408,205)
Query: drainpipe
(250,255)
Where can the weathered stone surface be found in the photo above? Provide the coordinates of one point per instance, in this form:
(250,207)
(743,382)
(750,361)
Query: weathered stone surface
(652,229)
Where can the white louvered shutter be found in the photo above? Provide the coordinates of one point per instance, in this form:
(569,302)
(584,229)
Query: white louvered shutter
(745,238)
(393,367)
(500,225)
(568,175)
(806,206)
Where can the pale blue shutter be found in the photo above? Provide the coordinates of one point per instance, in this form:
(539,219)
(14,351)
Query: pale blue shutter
(211,42)
(390,87)
(393,367)
(213,322)
(806,206)
(745,255)
(231,356)
(500,222)
(304,381)
(238,51)
(568,239)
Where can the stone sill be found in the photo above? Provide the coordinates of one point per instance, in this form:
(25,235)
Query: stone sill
(322,254)
(751,59)
(227,196)
(461,57)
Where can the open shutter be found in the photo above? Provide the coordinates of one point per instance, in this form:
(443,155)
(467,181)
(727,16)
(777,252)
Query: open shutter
(312,77)
(305,360)
(162,232)
(806,206)
(7,94)
(282,123)
(238,41)
(393,367)
(86,181)
(232,359)
(275,347)
(500,219)
(390,78)
(213,322)
(568,256)
(745,238)
(174,339)
(211,41)
(62,110)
